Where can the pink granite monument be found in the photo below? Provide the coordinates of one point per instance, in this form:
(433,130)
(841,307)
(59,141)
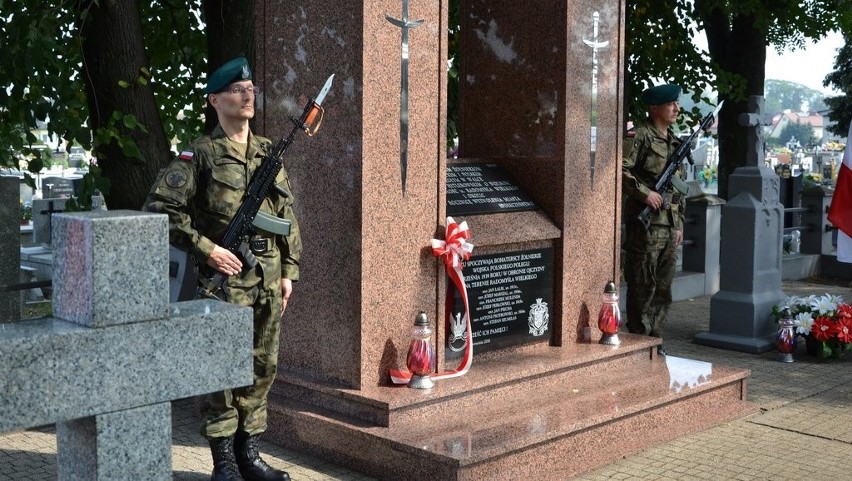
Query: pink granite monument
(540,104)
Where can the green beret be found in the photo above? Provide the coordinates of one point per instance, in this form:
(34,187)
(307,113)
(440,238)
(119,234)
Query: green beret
(234,70)
(661,94)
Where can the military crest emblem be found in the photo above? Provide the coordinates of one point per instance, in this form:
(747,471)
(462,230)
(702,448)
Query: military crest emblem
(457,340)
(539,317)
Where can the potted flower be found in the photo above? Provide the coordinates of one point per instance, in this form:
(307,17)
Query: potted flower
(26,212)
(824,321)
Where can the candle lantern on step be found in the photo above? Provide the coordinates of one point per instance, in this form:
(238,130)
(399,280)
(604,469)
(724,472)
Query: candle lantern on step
(786,340)
(609,318)
(421,354)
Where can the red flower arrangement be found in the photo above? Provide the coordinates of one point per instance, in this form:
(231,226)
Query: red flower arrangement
(824,321)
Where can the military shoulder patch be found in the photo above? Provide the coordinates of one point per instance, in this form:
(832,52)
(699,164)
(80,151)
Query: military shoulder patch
(176,179)
(186,155)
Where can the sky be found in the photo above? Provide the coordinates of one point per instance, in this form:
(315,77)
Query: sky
(808,66)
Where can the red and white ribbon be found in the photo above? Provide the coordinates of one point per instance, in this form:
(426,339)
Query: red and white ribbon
(453,251)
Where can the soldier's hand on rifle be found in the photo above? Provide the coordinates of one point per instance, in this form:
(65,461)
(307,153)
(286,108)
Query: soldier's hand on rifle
(654,200)
(224,261)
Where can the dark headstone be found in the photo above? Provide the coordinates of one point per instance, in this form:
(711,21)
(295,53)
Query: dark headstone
(790,196)
(58,187)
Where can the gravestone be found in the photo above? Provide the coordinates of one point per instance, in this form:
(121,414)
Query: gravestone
(10,241)
(750,250)
(43,210)
(790,195)
(58,187)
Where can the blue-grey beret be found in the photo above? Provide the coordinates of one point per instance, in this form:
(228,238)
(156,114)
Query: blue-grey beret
(232,71)
(661,94)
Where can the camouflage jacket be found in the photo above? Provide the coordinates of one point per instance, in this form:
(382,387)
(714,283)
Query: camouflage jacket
(646,151)
(201,191)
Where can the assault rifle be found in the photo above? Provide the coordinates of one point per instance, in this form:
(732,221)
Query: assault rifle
(669,175)
(248,218)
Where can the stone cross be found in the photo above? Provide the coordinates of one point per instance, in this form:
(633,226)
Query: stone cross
(755,119)
(107,365)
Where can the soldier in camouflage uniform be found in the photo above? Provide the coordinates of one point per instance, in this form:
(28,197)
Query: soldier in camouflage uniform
(201,191)
(650,256)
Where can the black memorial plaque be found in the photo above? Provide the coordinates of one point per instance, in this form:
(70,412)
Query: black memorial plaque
(58,187)
(511,301)
(483,189)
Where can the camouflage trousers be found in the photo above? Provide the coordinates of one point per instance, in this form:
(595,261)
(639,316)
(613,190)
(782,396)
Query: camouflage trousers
(244,409)
(649,267)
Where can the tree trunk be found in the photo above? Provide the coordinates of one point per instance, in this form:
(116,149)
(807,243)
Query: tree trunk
(114,51)
(729,44)
(230,33)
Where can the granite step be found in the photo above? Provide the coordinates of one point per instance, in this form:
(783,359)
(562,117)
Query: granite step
(494,374)
(554,425)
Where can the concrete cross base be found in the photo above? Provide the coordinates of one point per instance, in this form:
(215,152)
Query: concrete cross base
(97,447)
(741,321)
(753,345)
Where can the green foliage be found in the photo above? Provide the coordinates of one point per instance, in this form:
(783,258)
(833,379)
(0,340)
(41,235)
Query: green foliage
(93,183)
(40,72)
(176,44)
(841,79)
(659,49)
(804,133)
(26,211)
(659,41)
(783,95)
(42,69)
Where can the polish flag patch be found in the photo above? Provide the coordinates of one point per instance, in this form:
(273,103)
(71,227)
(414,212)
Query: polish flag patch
(185,155)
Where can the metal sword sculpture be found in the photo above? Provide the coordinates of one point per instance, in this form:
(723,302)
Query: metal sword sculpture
(593,116)
(404,24)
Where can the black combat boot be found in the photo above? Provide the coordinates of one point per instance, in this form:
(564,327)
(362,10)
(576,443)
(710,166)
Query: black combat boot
(251,466)
(224,462)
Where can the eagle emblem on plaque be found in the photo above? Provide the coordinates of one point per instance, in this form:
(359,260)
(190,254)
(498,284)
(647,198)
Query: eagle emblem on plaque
(539,316)
(458,332)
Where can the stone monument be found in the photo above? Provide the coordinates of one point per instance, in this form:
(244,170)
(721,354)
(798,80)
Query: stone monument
(10,241)
(542,114)
(750,246)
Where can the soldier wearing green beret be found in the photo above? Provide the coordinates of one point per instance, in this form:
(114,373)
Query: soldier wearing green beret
(201,190)
(650,255)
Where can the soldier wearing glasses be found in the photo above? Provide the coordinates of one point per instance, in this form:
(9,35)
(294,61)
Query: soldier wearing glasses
(201,191)
(650,256)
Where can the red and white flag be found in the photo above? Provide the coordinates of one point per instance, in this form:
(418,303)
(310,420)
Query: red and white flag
(840,212)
